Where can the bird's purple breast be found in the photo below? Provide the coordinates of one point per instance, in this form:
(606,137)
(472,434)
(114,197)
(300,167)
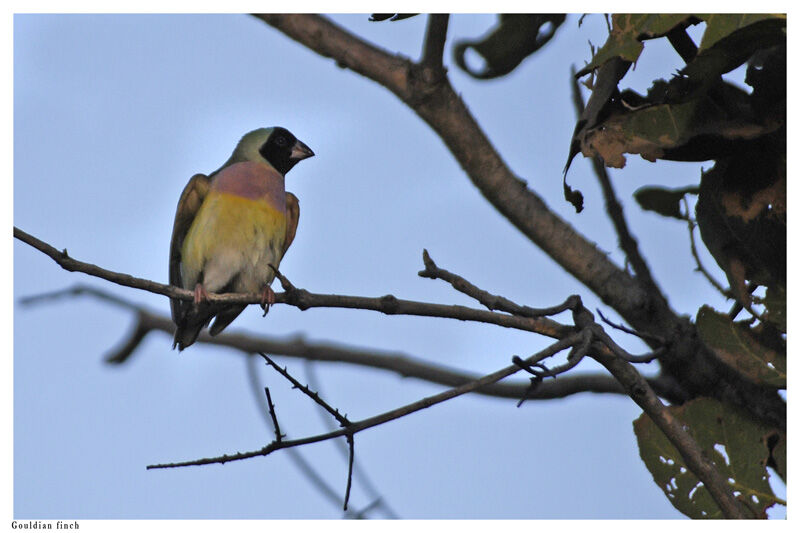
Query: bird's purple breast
(256,181)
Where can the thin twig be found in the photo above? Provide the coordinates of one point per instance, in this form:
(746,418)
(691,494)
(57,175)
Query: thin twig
(343,421)
(629,331)
(489,300)
(351,443)
(382,418)
(295,456)
(378,500)
(627,242)
(700,268)
(274,417)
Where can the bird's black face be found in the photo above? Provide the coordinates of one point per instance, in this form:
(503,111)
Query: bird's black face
(283,151)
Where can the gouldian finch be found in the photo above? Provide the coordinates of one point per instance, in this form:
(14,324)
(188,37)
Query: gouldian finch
(230,226)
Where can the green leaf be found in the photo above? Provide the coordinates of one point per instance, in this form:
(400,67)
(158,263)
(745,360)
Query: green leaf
(737,346)
(776,306)
(666,202)
(733,441)
(628,32)
(514,39)
(721,26)
(729,41)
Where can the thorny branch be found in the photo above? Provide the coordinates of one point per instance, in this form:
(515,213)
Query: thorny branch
(361,425)
(305,468)
(605,351)
(343,421)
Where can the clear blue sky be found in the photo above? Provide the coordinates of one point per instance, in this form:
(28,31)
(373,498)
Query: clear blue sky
(113,114)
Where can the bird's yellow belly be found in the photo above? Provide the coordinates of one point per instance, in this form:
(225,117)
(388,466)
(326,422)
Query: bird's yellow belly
(233,239)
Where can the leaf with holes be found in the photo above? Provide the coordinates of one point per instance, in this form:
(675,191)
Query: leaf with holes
(679,132)
(627,33)
(514,39)
(733,441)
(738,346)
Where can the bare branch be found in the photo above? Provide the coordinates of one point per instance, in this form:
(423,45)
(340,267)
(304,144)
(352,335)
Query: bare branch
(378,501)
(271,407)
(297,458)
(343,421)
(491,301)
(397,362)
(388,416)
(435,37)
(644,336)
(302,299)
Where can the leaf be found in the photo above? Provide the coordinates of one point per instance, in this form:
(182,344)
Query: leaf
(775,302)
(666,202)
(514,39)
(669,131)
(733,441)
(627,34)
(738,347)
(741,213)
(722,26)
(729,41)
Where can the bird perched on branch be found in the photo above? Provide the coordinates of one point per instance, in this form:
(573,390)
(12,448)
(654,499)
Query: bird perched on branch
(230,226)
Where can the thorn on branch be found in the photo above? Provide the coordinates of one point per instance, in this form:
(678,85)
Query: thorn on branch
(343,421)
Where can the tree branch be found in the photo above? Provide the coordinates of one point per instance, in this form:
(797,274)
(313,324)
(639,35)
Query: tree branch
(303,299)
(439,106)
(305,467)
(343,421)
(688,360)
(399,363)
(435,37)
(697,461)
(627,242)
(356,427)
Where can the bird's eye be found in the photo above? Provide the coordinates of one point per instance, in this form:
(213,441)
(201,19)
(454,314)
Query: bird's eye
(282,141)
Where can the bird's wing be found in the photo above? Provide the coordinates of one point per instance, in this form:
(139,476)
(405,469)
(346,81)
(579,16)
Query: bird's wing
(191,199)
(292,217)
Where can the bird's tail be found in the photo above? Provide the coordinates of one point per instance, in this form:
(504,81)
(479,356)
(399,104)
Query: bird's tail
(193,323)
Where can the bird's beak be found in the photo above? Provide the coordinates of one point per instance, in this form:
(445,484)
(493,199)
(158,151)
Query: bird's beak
(300,151)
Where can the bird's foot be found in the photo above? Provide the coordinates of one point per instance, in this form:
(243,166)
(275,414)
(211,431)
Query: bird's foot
(267,299)
(200,294)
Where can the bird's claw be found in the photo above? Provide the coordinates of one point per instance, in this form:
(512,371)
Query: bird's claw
(200,294)
(267,299)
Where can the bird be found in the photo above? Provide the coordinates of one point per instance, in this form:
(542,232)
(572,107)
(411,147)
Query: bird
(231,228)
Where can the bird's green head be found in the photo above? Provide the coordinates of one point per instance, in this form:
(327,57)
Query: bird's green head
(277,146)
